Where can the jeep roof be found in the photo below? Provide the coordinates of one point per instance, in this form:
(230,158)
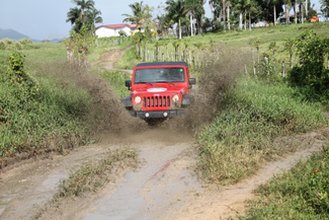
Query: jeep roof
(178,63)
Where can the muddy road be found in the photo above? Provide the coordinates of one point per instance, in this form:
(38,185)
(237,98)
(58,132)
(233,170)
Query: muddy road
(164,186)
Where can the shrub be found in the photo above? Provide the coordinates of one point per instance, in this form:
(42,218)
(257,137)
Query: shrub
(38,116)
(311,75)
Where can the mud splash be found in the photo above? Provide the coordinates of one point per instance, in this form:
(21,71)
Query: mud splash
(106,113)
(221,68)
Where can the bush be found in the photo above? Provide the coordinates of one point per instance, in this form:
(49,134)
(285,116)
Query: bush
(38,116)
(311,75)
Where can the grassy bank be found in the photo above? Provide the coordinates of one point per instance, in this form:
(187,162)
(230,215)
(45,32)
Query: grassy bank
(301,193)
(38,113)
(241,137)
(116,80)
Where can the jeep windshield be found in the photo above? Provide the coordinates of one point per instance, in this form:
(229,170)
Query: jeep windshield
(159,75)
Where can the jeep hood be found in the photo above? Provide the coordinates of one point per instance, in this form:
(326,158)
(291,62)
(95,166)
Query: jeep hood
(158,88)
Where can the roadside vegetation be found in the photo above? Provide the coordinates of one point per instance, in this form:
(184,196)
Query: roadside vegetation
(242,136)
(38,115)
(301,193)
(116,80)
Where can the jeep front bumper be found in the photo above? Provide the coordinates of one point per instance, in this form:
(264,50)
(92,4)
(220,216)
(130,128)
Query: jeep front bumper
(157,114)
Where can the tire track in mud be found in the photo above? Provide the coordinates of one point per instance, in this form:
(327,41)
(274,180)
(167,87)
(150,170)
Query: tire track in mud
(164,178)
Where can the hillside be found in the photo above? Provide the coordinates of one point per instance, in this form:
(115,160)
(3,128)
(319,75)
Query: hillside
(12,34)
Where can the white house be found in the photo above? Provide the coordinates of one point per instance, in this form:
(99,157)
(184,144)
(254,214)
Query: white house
(113,30)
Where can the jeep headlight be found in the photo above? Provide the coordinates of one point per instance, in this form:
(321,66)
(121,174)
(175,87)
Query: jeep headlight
(138,100)
(175,98)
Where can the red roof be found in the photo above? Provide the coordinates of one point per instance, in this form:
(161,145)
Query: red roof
(118,26)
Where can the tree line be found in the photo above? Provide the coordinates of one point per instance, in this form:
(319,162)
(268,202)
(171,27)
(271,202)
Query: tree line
(187,17)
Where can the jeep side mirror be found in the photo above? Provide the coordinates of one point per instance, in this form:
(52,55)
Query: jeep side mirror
(128,84)
(192,81)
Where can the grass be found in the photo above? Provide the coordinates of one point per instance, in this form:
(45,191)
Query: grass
(241,137)
(52,118)
(49,116)
(117,79)
(302,193)
(198,45)
(128,60)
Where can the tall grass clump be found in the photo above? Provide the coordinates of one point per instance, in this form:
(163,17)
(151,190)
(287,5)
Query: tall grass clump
(301,193)
(38,116)
(241,137)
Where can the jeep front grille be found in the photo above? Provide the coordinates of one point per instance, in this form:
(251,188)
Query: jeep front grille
(157,101)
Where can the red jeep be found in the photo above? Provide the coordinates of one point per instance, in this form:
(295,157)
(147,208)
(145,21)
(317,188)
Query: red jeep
(159,90)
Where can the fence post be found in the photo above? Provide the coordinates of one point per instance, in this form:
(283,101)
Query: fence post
(283,69)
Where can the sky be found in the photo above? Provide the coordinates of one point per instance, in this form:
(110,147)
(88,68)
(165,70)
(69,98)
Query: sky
(46,19)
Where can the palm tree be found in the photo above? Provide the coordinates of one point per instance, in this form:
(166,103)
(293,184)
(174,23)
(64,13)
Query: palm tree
(176,12)
(195,9)
(141,15)
(93,17)
(239,8)
(251,8)
(73,16)
(84,14)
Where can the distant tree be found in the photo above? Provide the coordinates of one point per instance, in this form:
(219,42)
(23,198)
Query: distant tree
(270,9)
(84,15)
(195,10)
(141,15)
(220,7)
(325,8)
(241,6)
(163,24)
(176,11)
(215,8)
(251,11)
